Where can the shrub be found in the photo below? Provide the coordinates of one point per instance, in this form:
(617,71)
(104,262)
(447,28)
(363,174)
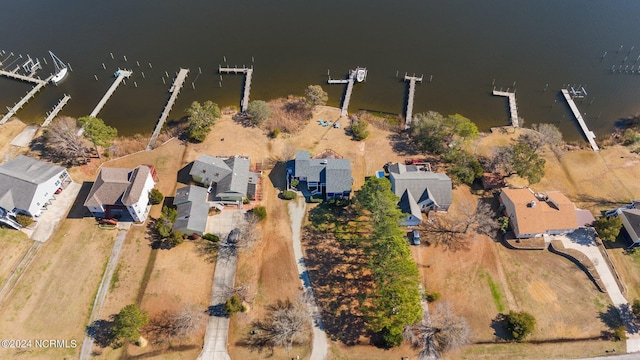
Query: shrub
(260,212)
(155,196)
(24,220)
(275,132)
(175,238)
(211,237)
(432,296)
(390,339)
(289,195)
(359,130)
(234,305)
(620,333)
(295,183)
(315,199)
(245,200)
(520,324)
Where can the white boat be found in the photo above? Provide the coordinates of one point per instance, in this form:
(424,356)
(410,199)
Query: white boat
(61,69)
(361,74)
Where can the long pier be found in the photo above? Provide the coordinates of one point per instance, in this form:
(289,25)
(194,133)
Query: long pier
(248,72)
(174,90)
(15,75)
(56,110)
(513,106)
(587,133)
(120,75)
(25,99)
(412,89)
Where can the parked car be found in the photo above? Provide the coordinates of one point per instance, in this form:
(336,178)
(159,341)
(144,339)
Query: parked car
(415,237)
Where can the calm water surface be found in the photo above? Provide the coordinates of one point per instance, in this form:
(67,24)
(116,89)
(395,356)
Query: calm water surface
(464,44)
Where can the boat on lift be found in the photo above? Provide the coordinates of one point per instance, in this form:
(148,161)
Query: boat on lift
(61,69)
(361,74)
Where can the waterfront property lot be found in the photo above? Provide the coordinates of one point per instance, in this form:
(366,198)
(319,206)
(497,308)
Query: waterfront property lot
(10,130)
(54,296)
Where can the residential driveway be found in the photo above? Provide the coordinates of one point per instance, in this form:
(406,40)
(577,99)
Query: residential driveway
(320,346)
(584,241)
(54,213)
(216,337)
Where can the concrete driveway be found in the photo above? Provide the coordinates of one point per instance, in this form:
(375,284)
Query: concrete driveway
(583,240)
(54,213)
(216,337)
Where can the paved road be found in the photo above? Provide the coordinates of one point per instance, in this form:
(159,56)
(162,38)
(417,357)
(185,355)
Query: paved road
(215,340)
(87,343)
(320,346)
(584,242)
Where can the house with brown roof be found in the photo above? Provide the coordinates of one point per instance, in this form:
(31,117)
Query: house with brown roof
(118,192)
(537,214)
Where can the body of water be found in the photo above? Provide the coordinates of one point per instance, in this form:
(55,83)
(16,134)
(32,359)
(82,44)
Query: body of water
(465,45)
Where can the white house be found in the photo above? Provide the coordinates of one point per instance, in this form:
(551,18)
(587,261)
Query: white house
(117,189)
(27,185)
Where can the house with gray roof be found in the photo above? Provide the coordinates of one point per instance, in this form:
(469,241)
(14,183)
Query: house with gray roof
(228,178)
(630,216)
(119,191)
(419,191)
(193,210)
(329,176)
(28,185)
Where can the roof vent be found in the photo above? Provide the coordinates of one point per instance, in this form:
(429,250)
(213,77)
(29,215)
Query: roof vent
(531,204)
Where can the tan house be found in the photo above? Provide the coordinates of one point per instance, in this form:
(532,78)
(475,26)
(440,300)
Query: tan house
(537,214)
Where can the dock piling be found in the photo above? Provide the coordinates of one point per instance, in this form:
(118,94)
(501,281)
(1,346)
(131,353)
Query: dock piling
(111,55)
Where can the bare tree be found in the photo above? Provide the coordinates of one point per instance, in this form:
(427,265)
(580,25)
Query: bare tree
(176,325)
(63,143)
(287,324)
(549,134)
(453,231)
(443,330)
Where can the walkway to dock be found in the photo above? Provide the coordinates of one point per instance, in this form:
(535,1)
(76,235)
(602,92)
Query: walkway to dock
(56,110)
(353,77)
(587,133)
(174,90)
(247,82)
(15,75)
(120,75)
(25,99)
(412,89)
(513,107)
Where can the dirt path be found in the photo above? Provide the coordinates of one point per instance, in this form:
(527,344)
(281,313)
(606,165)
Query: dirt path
(505,284)
(320,346)
(87,342)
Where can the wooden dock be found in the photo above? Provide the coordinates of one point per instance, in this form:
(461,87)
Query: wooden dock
(353,77)
(15,75)
(513,106)
(248,72)
(174,90)
(587,133)
(25,99)
(120,75)
(56,110)
(412,89)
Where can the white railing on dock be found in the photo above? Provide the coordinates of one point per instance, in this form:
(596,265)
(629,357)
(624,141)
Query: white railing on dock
(576,112)
(513,106)
(174,90)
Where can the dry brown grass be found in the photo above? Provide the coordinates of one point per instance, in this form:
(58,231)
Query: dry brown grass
(287,115)
(7,132)
(54,297)
(13,246)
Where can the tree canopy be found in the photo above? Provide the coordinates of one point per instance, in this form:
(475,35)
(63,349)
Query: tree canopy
(258,112)
(521,158)
(608,228)
(100,134)
(464,169)
(201,117)
(395,301)
(434,133)
(127,323)
(359,129)
(62,142)
(315,95)
(520,324)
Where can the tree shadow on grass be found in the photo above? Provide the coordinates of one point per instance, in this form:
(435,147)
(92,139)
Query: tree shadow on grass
(611,317)
(402,144)
(499,326)
(101,331)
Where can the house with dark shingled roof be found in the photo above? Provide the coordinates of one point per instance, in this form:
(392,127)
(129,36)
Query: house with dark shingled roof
(329,177)
(228,178)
